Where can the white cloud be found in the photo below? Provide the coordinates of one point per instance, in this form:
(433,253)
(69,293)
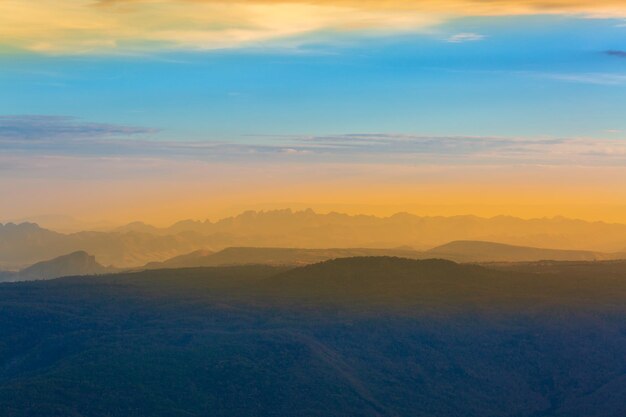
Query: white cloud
(465,37)
(41,136)
(597,78)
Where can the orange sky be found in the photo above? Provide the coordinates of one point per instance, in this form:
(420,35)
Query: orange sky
(161,110)
(203,191)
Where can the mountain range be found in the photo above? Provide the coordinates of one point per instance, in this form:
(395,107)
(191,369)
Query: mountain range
(137,244)
(81,263)
(306,228)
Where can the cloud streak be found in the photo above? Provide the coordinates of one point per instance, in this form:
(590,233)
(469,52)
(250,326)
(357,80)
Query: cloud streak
(41,136)
(18,128)
(616,53)
(465,37)
(595,78)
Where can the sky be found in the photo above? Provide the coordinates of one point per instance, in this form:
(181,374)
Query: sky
(122,110)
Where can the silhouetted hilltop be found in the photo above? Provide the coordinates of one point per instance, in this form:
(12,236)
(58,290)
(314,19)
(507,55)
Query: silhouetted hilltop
(77,263)
(189,260)
(372,278)
(139,227)
(273,256)
(25,243)
(478,251)
(400,281)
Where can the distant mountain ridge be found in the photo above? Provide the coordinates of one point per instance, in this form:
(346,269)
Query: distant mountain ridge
(81,263)
(138,243)
(76,263)
(306,228)
(458,251)
(479,251)
(26,243)
(194,259)
(273,256)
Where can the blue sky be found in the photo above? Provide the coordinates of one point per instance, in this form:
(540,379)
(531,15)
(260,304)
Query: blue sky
(523,108)
(540,75)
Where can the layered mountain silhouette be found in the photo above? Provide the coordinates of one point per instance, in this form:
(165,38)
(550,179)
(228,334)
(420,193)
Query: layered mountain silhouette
(26,243)
(459,251)
(287,228)
(77,263)
(273,256)
(136,244)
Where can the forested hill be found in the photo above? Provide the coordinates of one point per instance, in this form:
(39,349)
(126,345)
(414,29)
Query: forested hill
(359,336)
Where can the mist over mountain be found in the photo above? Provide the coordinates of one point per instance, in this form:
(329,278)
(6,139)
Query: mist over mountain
(137,244)
(367,336)
(287,228)
(24,244)
(81,263)
(63,223)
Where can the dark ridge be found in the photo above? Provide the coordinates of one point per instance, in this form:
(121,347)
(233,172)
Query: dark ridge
(435,282)
(252,341)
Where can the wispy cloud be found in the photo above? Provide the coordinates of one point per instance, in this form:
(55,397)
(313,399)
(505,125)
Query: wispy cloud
(597,78)
(472,149)
(616,53)
(465,37)
(49,128)
(63,136)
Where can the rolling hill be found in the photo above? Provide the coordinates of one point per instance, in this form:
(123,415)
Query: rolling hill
(478,251)
(459,251)
(365,336)
(273,256)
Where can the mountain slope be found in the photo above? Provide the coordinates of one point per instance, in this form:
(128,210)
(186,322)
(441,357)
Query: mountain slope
(459,251)
(77,263)
(480,251)
(436,283)
(273,256)
(27,243)
(189,260)
(369,279)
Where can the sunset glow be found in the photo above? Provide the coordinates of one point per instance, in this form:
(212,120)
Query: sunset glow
(162,110)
